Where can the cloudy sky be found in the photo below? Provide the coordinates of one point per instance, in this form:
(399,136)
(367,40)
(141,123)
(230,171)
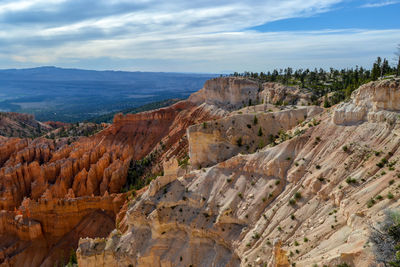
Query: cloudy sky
(217,36)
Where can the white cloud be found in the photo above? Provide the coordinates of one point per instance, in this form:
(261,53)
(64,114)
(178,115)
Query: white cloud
(240,51)
(178,35)
(380,4)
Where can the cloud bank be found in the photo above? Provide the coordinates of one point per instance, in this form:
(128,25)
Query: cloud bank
(177,35)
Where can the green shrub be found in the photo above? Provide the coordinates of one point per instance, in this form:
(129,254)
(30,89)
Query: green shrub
(260,133)
(371,202)
(350,180)
(239,141)
(255,120)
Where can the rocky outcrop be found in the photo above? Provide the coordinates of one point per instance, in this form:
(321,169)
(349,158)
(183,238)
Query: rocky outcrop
(227,93)
(231,93)
(372,101)
(73,189)
(276,93)
(45,230)
(304,201)
(219,140)
(21,125)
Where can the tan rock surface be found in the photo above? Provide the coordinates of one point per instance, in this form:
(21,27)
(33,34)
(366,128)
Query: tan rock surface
(67,186)
(232,213)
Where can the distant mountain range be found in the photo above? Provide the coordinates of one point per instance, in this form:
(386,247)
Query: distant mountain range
(71,95)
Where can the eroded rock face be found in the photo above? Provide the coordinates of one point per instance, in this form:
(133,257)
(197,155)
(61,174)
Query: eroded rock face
(231,93)
(53,193)
(276,93)
(21,125)
(55,223)
(228,93)
(219,140)
(245,210)
(371,102)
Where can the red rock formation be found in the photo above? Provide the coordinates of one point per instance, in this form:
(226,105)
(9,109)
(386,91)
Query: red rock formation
(67,186)
(21,125)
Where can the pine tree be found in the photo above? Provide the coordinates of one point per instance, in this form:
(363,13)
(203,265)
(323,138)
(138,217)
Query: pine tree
(398,62)
(376,69)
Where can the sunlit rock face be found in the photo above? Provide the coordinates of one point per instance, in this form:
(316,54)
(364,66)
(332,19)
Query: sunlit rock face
(295,189)
(372,101)
(53,193)
(219,140)
(289,203)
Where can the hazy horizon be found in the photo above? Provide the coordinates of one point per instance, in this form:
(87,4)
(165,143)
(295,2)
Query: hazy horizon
(197,36)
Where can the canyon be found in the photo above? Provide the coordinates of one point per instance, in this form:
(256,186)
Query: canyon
(249,174)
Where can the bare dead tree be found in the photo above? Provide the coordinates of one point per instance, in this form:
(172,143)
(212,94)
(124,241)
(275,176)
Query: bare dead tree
(397,53)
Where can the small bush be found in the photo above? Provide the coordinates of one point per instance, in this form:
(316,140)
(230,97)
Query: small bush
(260,133)
(239,141)
(297,195)
(345,148)
(382,163)
(350,180)
(390,195)
(256,236)
(255,120)
(292,202)
(371,202)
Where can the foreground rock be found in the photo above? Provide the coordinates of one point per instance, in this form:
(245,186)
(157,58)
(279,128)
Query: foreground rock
(53,193)
(309,200)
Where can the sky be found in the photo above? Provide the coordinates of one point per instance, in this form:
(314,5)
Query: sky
(219,36)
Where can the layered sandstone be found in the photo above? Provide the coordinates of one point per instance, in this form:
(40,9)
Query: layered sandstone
(304,201)
(53,192)
(232,93)
(276,93)
(370,102)
(216,141)
(56,224)
(228,93)
(21,125)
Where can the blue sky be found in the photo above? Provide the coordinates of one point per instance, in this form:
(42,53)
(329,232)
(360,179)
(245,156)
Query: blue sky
(197,36)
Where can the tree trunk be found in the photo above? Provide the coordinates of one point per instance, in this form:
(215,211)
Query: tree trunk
(398,68)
